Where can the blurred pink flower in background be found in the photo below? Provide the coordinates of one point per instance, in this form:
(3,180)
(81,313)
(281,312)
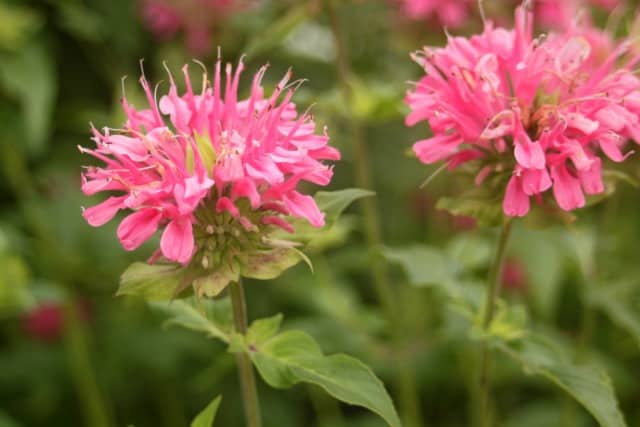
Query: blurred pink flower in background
(535,114)
(197,18)
(46,322)
(450,13)
(554,14)
(205,163)
(514,275)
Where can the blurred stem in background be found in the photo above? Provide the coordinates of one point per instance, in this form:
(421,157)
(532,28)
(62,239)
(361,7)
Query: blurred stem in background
(91,399)
(245,368)
(82,374)
(405,382)
(493,288)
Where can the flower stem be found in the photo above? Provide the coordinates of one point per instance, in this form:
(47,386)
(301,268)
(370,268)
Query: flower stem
(247,377)
(386,297)
(82,373)
(493,282)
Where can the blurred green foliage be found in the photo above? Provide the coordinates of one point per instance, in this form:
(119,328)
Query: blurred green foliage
(112,363)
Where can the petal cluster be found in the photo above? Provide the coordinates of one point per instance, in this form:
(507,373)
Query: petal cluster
(540,114)
(198,164)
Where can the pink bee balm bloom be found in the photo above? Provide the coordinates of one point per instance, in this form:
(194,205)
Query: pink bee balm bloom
(452,13)
(535,115)
(208,168)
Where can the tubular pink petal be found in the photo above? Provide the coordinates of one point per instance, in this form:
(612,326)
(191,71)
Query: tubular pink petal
(225,204)
(591,179)
(304,206)
(138,227)
(104,212)
(516,202)
(177,242)
(566,188)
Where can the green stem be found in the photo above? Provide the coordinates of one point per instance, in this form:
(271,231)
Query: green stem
(385,295)
(245,368)
(82,374)
(493,284)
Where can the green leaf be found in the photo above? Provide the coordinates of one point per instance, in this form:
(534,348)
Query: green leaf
(291,357)
(470,251)
(213,317)
(157,282)
(29,76)
(424,265)
(208,414)
(486,210)
(278,31)
(333,203)
(215,282)
(587,383)
(617,301)
(269,264)
(264,329)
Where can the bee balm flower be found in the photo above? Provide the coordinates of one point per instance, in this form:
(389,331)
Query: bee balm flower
(217,174)
(536,115)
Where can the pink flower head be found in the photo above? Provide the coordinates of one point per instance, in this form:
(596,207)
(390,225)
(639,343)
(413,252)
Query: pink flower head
(452,13)
(537,115)
(197,18)
(208,168)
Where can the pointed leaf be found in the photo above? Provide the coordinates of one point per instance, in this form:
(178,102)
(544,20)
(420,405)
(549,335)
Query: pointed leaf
(208,414)
(157,282)
(333,203)
(587,383)
(269,264)
(213,317)
(292,357)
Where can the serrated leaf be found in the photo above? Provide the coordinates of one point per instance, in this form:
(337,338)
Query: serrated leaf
(424,265)
(208,414)
(157,282)
(587,383)
(292,357)
(269,264)
(213,317)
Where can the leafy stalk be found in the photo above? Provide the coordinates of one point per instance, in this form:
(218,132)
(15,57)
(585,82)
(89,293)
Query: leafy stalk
(247,377)
(493,282)
(405,378)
